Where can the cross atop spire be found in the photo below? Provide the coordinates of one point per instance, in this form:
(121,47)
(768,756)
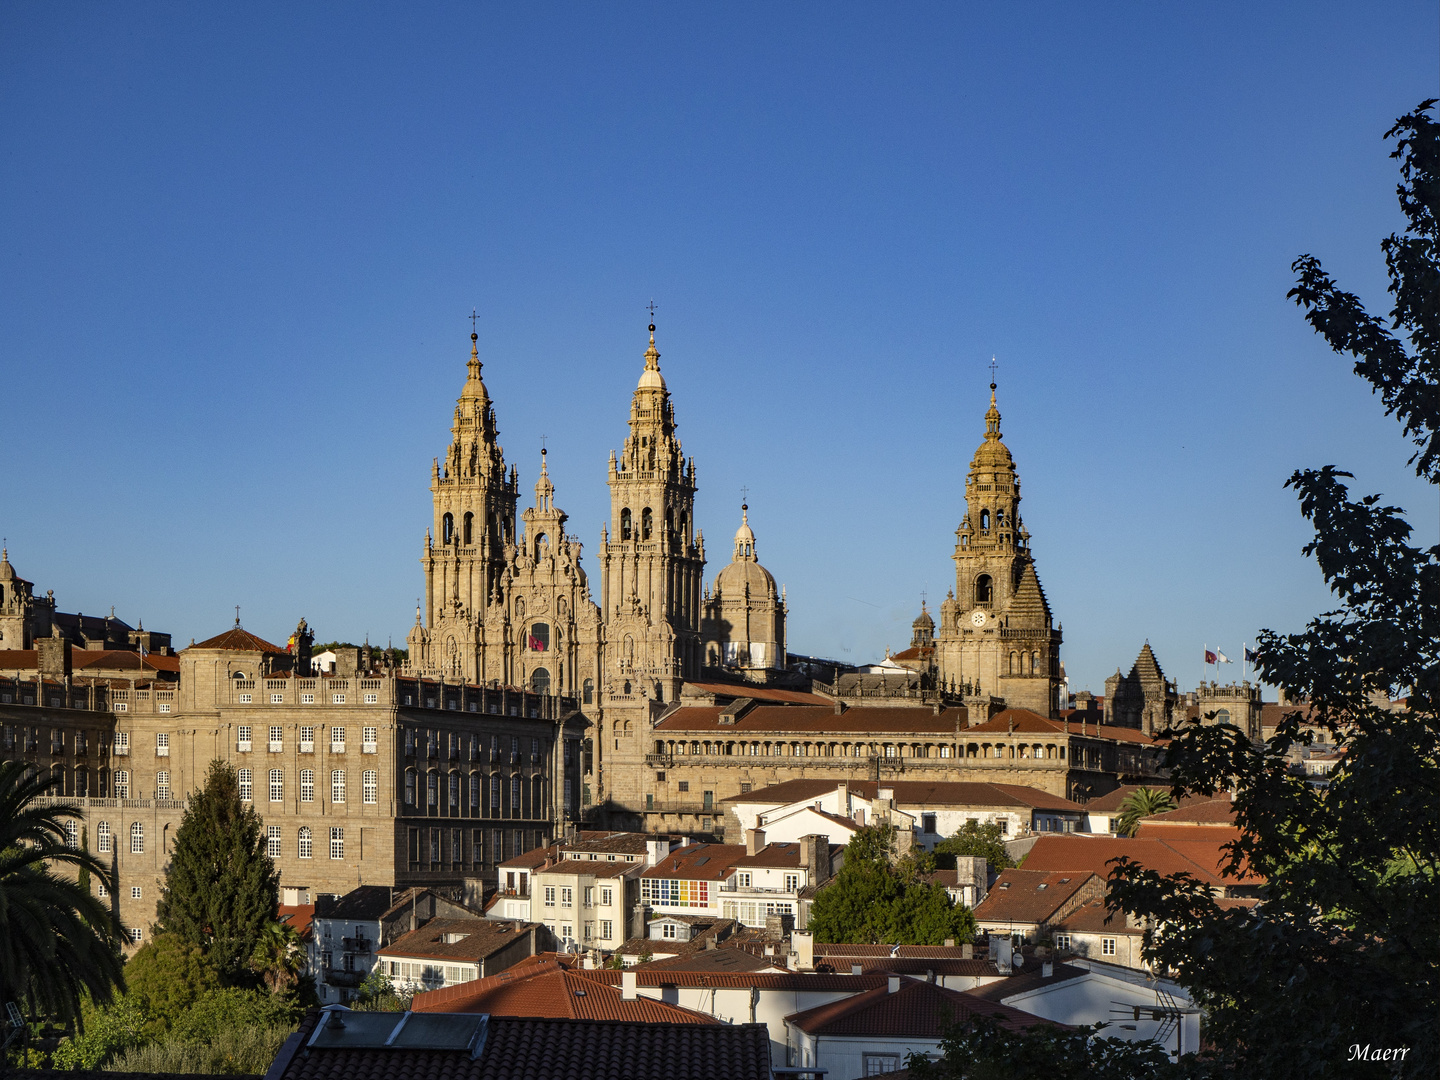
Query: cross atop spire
(237,614)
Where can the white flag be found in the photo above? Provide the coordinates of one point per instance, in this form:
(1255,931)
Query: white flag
(1221,658)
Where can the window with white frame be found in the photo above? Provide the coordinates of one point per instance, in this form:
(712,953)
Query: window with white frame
(567,896)
(246,699)
(122,783)
(742,880)
(162,744)
(164,706)
(101,890)
(305,842)
(118,706)
(589,896)
(1107,946)
(549,895)
(102,837)
(369,738)
(607,898)
(135,892)
(277,739)
(369,787)
(247,790)
(122,743)
(338,699)
(337,740)
(337,786)
(1062,941)
(307,785)
(337,842)
(272,841)
(242,737)
(137,838)
(137,935)
(307,699)
(162,784)
(792,882)
(277,785)
(607,929)
(277,699)
(880,1064)
(667,930)
(372,699)
(307,740)
(72,834)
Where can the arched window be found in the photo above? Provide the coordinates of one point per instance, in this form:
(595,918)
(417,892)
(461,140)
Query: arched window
(999,518)
(447,528)
(432,789)
(1223,716)
(1034,663)
(474,794)
(409,787)
(984,520)
(469,528)
(647,523)
(515,810)
(587,692)
(1012,669)
(137,838)
(540,681)
(454,790)
(82,782)
(983,589)
(495,796)
(306,842)
(102,837)
(625,529)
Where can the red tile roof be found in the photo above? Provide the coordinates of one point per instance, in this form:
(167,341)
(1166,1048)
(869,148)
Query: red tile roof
(478,938)
(553,991)
(1075,851)
(1093,918)
(915,792)
(1033,896)
(1219,811)
(652,975)
(698,862)
(786,719)
(297,915)
(758,693)
(238,640)
(918,1010)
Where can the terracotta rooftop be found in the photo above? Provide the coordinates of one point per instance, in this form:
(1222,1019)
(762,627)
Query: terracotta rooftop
(297,916)
(1077,851)
(698,862)
(475,939)
(650,975)
(721,960)
(913,793)
(1031,977)
(1219,811)
(366,902)
(917,1010)
(779,855)
(1032,896)
(619,843)
(1093,918)
(542,1049)
(594,868)
(786,719)
(758,693)
(551,990)
(238,640)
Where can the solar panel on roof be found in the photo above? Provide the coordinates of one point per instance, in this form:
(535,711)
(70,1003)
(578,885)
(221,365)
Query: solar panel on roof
(361,1031)
(702,860)
(439,1031)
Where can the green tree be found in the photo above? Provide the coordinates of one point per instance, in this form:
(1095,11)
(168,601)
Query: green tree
(58,943)
(1342,951)
(1138,805)
(975,840)
(221,888)
(278,957)
(166,976)
(875,898)
(983,1050)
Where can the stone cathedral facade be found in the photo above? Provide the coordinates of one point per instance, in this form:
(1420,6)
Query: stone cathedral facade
(507,602)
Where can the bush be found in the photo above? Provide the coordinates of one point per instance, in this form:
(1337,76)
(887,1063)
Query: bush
(249,1048)
(166,977)
(108,1030)
(217,1011)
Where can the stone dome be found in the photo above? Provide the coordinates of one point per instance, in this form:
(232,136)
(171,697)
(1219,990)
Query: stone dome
(650,378)
(745,572)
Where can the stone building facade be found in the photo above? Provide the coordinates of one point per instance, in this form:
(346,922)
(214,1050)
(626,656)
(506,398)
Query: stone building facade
(1144,699)
(743,624)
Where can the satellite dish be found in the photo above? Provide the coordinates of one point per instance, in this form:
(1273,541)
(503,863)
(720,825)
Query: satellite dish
(1018,959)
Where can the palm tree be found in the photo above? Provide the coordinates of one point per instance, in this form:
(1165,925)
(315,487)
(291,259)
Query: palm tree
(57,940)
(278,957)
(1139,804)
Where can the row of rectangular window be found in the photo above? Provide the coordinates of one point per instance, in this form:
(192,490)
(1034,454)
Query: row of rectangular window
(369,786)
(369,742)
(497,789)
(453,743)
(437,846)
(305,699)
(566,894)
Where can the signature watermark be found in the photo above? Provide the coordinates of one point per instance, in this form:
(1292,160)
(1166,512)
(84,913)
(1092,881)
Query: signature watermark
(1379,1053)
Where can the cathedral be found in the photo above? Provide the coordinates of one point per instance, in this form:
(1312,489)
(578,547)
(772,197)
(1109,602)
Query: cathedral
(508,603)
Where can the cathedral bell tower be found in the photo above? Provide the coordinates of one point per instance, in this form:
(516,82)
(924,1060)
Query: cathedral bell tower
(996,635)
(465,552)
(651,559)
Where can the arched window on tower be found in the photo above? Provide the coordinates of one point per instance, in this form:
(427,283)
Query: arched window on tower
(469,529)
(647,523)
(984,590)
(625,530)
(587,692)
(1223,716)
(540,681)
(985,520)
(447,528)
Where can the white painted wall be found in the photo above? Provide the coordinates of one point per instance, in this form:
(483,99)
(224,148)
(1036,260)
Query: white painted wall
(1092,998)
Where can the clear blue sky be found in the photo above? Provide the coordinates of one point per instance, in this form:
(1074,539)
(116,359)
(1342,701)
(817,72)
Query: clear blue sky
(239,245)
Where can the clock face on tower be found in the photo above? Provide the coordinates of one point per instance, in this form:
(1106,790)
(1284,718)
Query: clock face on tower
(978,618)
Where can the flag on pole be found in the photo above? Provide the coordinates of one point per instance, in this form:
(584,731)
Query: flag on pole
(536,645)
(1249,655)
(1221,658)
(1210,657)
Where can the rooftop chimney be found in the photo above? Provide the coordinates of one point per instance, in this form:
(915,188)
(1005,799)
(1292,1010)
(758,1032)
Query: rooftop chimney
(627,984)
(1047,969)
(754,840)
(856,969)
(802,942)
(967,951)
(893,984)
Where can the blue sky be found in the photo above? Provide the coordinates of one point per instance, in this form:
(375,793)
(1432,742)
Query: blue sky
(239,246)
